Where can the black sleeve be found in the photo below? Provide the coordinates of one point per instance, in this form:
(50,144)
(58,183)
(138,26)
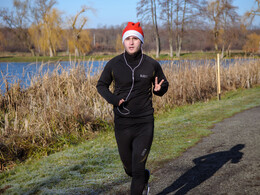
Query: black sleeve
(164,87)
(103,86)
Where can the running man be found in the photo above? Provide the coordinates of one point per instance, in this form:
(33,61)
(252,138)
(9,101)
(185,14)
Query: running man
(136,76)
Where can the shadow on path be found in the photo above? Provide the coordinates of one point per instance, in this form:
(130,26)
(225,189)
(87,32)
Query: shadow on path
(205,167)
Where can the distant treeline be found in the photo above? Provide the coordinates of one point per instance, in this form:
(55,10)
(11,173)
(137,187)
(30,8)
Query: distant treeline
(104,40)
(36,26)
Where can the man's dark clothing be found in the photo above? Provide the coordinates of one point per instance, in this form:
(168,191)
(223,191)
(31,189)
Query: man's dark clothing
(134,143)
(139,102)
(133,77)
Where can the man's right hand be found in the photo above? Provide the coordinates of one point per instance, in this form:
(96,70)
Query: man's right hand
(120,102)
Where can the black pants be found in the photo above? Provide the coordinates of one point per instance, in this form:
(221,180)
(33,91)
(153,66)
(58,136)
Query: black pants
(134,142)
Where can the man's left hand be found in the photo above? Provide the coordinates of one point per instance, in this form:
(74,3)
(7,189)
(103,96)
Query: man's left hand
(157,86)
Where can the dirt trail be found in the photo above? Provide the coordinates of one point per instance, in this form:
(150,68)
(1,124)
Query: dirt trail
(226,162)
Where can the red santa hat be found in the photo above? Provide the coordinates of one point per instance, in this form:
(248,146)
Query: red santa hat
(133,29)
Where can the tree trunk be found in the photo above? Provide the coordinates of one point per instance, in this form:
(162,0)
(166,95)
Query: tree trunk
(259,45)
(156,32)
(229,50)
(32,51)
(158,46)
(76,52)
(182,31)
(216,32)
(179,34)
(216,40)
(178,49)
(170,23)
(223,51)
(50,51)
(177,29)
(171,47)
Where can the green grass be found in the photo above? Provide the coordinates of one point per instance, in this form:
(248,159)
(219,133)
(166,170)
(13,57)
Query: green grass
(94,166)
(184,126)
(17,58)
(25,57)
(198,55)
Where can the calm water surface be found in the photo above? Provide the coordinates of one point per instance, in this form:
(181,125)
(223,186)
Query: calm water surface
(25,71)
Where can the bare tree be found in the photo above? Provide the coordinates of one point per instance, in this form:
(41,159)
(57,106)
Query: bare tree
(181,23)
(229,20)
(41,8)
(77,24)
(214,12)
(51,31)
(48,20)
(147,11)
(218,11)
(230,36)
(18,21)
(178,14)
(167,14)
(250,15)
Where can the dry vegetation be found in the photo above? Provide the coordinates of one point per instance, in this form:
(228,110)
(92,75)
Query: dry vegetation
(190,82)
(64,107)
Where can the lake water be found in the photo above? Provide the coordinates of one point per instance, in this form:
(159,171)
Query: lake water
(24,71)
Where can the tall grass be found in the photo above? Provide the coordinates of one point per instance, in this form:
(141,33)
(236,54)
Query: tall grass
(190,82)
(63,107)
(56,110)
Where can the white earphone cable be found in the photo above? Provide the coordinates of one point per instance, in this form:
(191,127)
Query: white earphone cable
(133,80)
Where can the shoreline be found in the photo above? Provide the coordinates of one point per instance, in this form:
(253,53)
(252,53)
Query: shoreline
(196,55)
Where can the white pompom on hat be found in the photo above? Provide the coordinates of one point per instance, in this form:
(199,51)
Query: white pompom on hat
(133,29)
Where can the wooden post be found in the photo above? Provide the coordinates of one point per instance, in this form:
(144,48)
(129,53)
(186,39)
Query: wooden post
(218,79)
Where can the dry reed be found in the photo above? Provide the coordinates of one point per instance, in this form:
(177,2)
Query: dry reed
(190,82)
(63,107)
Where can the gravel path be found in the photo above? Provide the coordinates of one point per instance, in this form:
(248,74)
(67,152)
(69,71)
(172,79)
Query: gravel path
(226,162)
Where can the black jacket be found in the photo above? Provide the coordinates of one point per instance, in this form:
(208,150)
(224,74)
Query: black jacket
(138,105)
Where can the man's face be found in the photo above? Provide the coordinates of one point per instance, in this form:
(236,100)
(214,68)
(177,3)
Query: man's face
(132,44)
